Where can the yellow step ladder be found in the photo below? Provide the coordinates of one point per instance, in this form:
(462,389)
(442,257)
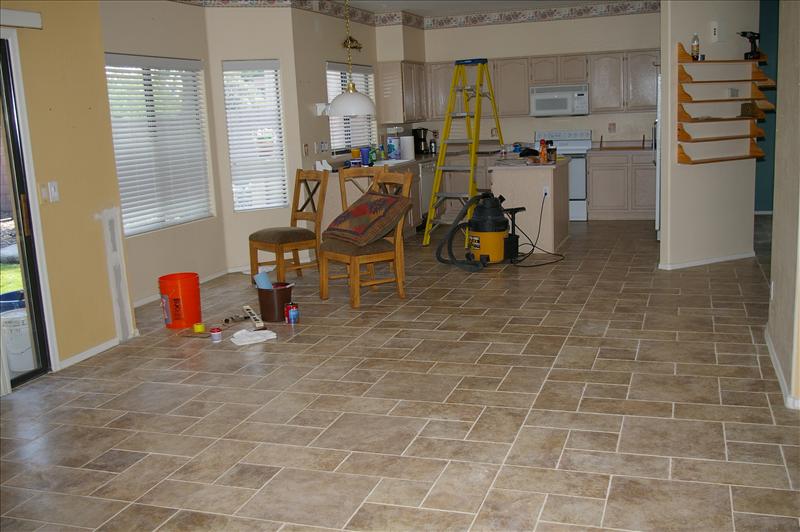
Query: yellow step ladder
(460,87)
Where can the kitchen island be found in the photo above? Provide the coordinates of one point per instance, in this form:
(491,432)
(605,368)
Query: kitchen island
(524,186)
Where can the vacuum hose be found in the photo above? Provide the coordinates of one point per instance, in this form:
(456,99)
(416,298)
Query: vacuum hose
(466,265)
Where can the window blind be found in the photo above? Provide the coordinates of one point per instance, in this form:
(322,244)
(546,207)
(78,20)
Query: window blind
(351,131)
(158,123)
(255,134)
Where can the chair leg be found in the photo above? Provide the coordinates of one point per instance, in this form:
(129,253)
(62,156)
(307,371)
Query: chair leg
(355,283)
(296,260)
(253,261)
(371,271)
(323,277)
(400,276)
(280,264)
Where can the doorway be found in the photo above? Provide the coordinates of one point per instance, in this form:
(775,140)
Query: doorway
(23,338)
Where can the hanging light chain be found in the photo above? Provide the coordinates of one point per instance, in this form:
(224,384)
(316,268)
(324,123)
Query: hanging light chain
(348,43)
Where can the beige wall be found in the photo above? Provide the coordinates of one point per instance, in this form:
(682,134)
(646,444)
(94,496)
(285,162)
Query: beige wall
(707,209)
(71,143)
(251,34)
(168,29)
(552,38)
(784,309)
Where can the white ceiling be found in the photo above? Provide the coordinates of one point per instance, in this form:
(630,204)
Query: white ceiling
(440,8)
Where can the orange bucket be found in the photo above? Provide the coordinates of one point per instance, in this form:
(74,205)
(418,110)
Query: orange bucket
(180,299)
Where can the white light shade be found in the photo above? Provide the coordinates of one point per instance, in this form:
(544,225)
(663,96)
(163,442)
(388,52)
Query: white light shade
(351,104)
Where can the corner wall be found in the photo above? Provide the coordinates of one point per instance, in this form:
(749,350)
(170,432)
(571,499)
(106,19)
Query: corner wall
(707,209)
(63,74)
(783,328)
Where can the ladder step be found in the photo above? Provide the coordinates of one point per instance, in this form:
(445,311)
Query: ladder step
(458,141)
(462,115)
(454,168)
(452,195)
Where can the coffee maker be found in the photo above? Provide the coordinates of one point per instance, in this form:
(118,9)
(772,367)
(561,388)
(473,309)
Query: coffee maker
(420,140)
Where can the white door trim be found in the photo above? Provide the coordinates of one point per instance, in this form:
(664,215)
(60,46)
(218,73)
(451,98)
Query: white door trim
(10,34)
(21,19)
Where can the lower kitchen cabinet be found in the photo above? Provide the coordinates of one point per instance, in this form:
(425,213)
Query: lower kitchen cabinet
(621,185)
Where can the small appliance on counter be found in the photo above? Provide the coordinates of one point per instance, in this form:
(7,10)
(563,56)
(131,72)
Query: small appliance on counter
(420,140)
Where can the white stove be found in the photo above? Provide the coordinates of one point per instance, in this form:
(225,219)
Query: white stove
(575,143)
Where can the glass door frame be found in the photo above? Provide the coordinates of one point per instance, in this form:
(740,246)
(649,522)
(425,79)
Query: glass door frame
(37,288)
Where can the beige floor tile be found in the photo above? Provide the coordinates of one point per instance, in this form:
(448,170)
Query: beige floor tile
(520,379)
(758,453)
(185,521)
(479,383)
(11,497)
(247,476)
(93,417)
(282,408)
(696,353)
(471,451)
(791,455)
(153,422)
(400,467)
(140,477)
(362,405)
(744,414)
(675,388)
(759,475)
(291,456)
(766,501)
(461,487)
(600,377)
(310,497)
(154,397)
(505,510)
(573,510)
(314,418)
(507,399)
(18,525)
(644,504)
(572,420)
(60,479)
(382,517)
(474,370)
(194,496)
(454,430)
(497,424)
(213,461)
(70,510)
(400,492)
(414,386)
(556,395)
(626,407)
(370,433)
(70,446)
(115,461)
(762,433)
(177,444)
(760,523)
(448,351)
(615,463)
(537,447)
(552,481)
(273,433)
(237,395)
(138,517)
(666,437)
(592,441)
(437,411)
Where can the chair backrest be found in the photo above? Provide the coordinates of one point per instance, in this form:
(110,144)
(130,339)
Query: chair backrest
(396,184)
(314,183)
(354,176)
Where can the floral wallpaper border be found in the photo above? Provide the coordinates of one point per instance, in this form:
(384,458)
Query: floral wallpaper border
(336,9)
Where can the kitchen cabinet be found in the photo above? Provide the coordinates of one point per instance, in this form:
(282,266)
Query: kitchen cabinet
(543,70)
(439,76)
(400,92)
(641,75)
(606,72)
(510,83)
(621,185)
(572,69)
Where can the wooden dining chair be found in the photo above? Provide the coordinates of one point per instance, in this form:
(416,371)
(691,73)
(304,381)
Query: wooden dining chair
(387,249)
(281,240)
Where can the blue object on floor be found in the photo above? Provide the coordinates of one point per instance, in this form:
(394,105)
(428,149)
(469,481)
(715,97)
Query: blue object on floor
(262,281)
(12,300)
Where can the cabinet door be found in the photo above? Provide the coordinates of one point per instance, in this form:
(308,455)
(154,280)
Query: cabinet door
(510,81)
(643,188)
(439,78)
(419,91)
(389,93)
(641,80)
(572,69)
(409,105)
(608,188)
(543,70)
(605,83)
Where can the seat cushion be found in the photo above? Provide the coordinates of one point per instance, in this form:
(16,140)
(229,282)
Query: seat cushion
(368,219)
(282,235)
(335,245)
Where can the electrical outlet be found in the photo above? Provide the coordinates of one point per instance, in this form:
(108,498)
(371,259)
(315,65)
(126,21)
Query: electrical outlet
(713,30)
(546,190)
(612,127)
(733,92)
(323,145)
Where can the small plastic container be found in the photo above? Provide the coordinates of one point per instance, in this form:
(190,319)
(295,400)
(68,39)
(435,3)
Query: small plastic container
(216,334)
(273,302)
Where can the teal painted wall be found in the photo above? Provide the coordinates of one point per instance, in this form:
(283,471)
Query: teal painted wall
(765,168)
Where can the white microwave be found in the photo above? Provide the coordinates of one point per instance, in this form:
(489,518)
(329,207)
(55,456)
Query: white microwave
(560,100)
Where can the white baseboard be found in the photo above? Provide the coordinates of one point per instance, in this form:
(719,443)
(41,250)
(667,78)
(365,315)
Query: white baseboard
(80,357)
(155,297)
(703,262)
(789,400)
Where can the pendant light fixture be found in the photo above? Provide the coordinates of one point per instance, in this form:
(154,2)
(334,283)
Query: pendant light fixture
(350,102)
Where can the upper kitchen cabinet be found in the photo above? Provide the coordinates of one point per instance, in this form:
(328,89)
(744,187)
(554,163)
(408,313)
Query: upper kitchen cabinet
(439,76)
(543,70)
(400,92)
(641,75)
(606,84)
(510,83)
(573,69)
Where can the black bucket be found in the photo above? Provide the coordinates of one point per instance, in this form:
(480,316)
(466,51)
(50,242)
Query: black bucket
(272,302)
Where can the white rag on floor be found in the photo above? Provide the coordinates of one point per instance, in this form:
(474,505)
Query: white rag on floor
(244,337)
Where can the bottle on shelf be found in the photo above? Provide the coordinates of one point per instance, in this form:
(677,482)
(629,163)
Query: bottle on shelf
(696,47)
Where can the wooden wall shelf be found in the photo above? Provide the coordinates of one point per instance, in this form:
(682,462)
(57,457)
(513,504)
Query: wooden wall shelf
(683,116)
(754,153)
(754,133)
(755,96)
(686,57)
(757,76)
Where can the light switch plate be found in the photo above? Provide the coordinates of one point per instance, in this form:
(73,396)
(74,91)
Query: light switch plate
(52,191)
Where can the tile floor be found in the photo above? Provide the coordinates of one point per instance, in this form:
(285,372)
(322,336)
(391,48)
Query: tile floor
(597,392)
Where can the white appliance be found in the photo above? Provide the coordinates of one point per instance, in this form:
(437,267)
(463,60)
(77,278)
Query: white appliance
(560,100)
(574,143)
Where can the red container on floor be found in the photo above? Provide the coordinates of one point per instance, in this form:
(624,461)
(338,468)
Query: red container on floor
(180,299)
